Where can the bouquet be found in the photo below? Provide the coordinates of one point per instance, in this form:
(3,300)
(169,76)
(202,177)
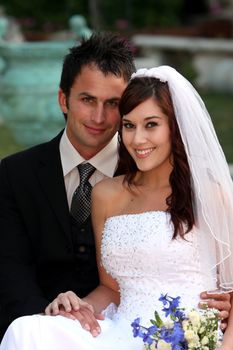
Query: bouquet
(196,330)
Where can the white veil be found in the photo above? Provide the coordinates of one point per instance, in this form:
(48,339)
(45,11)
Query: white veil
(211,180)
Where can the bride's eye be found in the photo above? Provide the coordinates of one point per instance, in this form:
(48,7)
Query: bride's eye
(127,125)
(151,124)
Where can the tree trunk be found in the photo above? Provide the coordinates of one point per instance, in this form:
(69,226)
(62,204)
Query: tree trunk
(95,14)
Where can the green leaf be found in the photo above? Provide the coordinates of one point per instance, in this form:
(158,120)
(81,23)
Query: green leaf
(159,322)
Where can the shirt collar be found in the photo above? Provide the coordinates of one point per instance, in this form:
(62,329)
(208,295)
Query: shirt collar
(104,161)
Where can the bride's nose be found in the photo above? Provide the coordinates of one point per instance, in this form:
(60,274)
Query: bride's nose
(139,136)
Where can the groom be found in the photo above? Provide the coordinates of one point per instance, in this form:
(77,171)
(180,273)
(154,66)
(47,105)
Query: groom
(44,248)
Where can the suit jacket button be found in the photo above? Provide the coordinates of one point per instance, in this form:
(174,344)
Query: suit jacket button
(69,249)
(82,249)
(82,230)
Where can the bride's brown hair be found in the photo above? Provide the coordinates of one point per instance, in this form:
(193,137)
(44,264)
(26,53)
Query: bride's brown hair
(180,201)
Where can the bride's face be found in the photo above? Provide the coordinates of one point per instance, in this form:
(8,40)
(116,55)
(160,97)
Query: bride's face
(146,135)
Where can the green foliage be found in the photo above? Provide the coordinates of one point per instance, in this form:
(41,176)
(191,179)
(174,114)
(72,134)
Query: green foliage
(220,107)
(53,14)
(43,14)
(148,14)
(7,143)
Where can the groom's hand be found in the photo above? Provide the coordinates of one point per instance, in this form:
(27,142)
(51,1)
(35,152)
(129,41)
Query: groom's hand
(220,302)
(69,305)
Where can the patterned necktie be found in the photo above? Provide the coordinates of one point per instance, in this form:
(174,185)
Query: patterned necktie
(81,201)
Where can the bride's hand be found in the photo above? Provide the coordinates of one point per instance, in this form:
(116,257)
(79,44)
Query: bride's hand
(71,306)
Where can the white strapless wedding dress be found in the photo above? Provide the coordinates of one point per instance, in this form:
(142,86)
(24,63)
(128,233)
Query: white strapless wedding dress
(138,251)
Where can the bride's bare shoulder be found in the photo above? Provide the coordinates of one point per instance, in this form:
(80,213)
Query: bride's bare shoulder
(108,188)
(109,184)
(109,197)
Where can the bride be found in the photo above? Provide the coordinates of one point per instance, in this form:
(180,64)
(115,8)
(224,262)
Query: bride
(164,225)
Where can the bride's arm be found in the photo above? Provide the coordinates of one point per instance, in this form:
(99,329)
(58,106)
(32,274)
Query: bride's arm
(88,309)
(108,290)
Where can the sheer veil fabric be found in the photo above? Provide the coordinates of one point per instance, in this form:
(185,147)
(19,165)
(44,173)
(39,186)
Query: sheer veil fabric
(211,180)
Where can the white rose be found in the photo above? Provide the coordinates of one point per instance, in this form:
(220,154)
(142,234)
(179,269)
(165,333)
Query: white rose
(192,338)
(152,347)
(185,325)
(169,324)
(205,340)
(194,317)
(163,345)
(201,330)
(194,345)
(189,335)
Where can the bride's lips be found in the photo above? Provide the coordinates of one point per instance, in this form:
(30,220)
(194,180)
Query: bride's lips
(144,153)
(94,131)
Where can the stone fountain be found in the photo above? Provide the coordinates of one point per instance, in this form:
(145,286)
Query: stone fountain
(29,81)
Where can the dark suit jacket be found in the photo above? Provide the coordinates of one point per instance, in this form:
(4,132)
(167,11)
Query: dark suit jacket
(37,255)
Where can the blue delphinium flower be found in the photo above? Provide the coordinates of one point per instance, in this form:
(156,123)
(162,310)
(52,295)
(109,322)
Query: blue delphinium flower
(177,335)
(163,299)
(152,330)
(143,332)
(148,339)
(175,302)
(136,327)
(171,306)
(173,330)
(148,336)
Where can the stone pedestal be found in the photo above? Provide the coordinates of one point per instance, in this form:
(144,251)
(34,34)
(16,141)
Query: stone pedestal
(29,82)
(212,59)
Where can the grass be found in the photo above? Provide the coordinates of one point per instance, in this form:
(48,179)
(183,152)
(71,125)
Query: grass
(220,107)
(7,143)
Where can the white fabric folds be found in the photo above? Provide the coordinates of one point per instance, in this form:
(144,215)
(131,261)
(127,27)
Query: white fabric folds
(211,180)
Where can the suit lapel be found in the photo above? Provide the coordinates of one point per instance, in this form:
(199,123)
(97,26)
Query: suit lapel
(51,179)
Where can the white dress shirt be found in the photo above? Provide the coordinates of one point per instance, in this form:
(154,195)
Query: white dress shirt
(104,161)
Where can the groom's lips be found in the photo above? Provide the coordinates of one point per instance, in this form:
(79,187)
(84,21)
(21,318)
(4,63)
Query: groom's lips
(94,131)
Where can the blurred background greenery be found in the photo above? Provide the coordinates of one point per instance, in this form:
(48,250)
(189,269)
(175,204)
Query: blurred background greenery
(38,19)
(220,107)
(121,15)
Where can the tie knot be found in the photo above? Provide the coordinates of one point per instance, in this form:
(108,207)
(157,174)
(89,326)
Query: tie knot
(85,172)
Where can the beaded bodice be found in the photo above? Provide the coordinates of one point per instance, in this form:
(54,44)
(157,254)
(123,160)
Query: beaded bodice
(139,252)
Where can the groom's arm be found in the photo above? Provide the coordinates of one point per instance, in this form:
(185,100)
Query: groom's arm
(221,302)
(20,293)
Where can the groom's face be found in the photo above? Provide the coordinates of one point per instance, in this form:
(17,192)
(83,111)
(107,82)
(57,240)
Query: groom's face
(92,110)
